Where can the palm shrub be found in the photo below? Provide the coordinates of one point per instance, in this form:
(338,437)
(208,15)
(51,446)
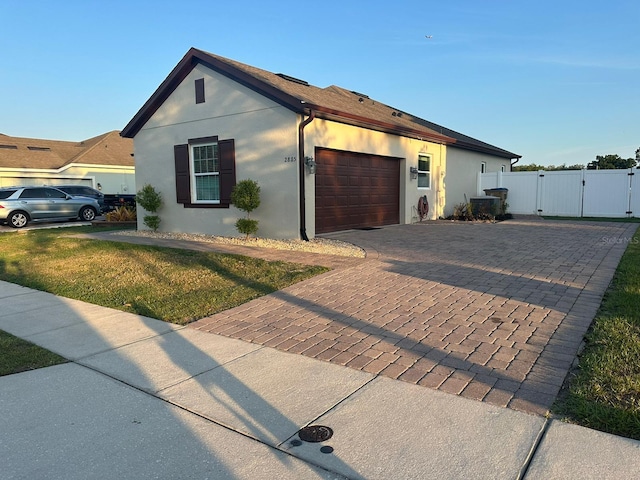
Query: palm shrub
(121,214)
(246,196)
(151,201)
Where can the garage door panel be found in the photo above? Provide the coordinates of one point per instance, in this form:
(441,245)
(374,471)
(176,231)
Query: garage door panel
(355,190)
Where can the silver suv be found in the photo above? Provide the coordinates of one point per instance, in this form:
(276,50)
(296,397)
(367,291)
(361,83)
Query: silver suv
(20,205)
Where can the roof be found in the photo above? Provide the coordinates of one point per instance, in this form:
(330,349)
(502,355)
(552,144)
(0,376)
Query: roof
(32,153)
(331,103)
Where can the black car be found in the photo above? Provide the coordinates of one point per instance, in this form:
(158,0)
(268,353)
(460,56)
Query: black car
(84,191)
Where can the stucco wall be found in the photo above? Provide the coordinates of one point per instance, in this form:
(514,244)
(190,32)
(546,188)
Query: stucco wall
(461,175)
(265,135)
(323,133)
(265,145)
(112,179)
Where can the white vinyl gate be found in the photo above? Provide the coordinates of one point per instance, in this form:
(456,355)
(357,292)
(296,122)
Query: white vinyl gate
(571,193)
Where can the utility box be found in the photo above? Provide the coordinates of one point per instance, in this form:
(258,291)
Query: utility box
(501,193)
(485,205)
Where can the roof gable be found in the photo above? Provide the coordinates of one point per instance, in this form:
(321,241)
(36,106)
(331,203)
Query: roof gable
(331,103)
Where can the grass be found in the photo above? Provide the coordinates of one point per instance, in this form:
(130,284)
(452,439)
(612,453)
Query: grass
(604,394)
(17,355)
(173,285)
(596,219)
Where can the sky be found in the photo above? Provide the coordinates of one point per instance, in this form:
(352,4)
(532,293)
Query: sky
(553,81)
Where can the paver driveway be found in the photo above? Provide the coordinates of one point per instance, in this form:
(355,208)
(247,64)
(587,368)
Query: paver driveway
(493,312)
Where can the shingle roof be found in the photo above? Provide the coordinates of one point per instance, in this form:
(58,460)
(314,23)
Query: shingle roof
(32,153)
(333,103)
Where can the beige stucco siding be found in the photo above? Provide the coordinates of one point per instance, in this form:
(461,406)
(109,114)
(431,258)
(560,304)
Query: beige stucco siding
(112,179)
(328,134)
(265,151)
(461,175)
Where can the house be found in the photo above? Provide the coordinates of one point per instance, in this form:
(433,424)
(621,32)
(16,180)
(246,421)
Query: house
(326,159)
(104,162)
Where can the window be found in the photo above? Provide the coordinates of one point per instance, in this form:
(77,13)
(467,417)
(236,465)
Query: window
(503,168)
(206,173)
(199,90)
(483,167)
(4,194)
(424,171)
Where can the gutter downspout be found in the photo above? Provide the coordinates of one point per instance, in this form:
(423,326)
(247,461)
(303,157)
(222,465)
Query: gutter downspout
(301,159)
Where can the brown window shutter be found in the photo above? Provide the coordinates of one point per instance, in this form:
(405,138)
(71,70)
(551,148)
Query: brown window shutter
(226,149)
(200,90)
(183,178)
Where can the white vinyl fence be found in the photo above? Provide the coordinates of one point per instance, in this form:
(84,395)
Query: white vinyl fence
(570,193)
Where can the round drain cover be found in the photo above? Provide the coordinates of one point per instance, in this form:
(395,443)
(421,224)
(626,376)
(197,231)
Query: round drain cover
(315,433)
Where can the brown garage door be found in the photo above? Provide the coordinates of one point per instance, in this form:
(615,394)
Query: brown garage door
(356,190)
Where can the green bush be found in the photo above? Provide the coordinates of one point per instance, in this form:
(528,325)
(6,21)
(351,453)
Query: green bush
(151,201)
(149,198)
(246,197)
(152,221)
(248,226)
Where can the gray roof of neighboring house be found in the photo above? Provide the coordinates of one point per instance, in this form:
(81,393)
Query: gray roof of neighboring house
(32,153)
(332,103)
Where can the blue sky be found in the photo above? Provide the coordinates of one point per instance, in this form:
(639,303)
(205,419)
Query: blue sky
(554,81)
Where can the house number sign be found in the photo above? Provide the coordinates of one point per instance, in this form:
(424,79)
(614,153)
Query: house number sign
(289,159)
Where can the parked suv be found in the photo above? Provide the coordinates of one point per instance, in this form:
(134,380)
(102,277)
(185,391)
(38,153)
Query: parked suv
(84,191)
(20,205)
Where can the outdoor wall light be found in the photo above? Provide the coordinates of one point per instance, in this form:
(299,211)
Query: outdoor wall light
(99,186)
(311,164)
(414,172)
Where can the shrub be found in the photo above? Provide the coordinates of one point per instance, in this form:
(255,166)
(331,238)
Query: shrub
(248,226)
(151,201)
(152,221)
(149,198)
(246,197)
(121,214)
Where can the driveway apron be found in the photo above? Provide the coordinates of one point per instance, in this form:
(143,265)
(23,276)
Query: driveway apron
(491,312)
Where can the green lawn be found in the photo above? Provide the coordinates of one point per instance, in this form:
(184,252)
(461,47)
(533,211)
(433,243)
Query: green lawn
(174,285)
(17,355)
(605,393)
(596,219)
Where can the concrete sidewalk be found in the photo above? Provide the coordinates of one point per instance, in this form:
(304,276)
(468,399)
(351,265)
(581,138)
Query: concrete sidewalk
(146,399)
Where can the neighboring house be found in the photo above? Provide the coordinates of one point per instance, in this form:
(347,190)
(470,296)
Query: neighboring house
(104,162)
(326,159)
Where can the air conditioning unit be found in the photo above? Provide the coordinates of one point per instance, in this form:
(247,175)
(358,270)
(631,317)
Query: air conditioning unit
(487,205)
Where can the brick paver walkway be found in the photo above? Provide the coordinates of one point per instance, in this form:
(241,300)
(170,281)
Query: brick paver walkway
(492,312)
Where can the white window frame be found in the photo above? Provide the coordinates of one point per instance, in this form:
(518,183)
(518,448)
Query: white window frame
(424,173)
(194,175)
(503,168)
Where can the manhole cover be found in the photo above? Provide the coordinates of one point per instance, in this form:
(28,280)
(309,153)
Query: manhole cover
(315,433)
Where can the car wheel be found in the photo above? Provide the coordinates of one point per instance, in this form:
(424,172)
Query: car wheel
(87,214)
(18,219)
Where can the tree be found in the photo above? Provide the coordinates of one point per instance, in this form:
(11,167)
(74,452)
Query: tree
(612,162)
(151,201)
(534,168)
(246,196)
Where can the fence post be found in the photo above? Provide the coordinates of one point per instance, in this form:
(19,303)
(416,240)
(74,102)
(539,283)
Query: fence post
(582,180)
(539,191)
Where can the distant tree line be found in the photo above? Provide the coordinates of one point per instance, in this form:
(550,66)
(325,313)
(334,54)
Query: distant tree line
(601,162)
